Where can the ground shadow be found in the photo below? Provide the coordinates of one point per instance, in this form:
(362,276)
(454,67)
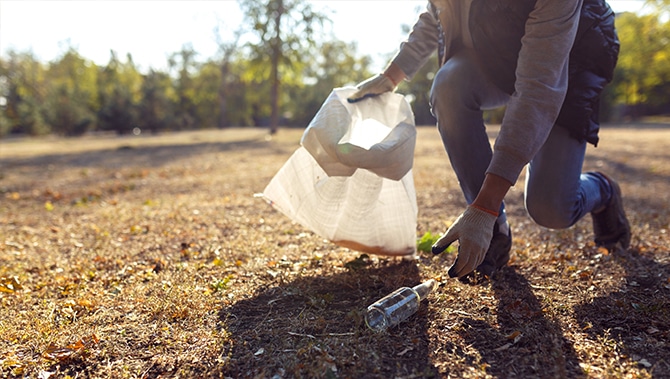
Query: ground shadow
(127,155)
(314,327)
(636,317)
(523,340)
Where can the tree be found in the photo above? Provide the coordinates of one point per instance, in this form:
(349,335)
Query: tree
(227,51)
(206,98)
(244,95)
(24,92)
(67,114)
(285,31)
(643,69)
(183,62)
(155,109)
(660,6)
(120,93)
(72,96)
(335,65)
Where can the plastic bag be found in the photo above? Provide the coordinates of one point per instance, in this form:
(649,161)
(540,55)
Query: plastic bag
(351,180)
(377,134)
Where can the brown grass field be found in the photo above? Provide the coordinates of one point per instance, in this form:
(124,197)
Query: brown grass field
(150,257)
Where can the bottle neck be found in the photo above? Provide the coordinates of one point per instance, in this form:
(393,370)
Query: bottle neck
(425,288)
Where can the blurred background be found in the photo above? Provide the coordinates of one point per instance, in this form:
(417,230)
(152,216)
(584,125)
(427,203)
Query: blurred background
(76,67)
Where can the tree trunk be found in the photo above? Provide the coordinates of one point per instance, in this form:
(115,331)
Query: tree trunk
(276,54)
(223,96)
(227,49)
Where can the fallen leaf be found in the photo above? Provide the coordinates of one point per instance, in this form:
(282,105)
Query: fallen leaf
(63,354)
(514,336)
(9,285)
(55,353)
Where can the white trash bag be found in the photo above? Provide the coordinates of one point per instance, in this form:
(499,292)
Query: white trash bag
(351,180)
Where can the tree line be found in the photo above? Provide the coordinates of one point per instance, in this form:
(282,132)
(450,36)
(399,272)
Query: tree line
(280,77)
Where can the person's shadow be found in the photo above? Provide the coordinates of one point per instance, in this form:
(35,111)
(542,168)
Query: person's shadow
(313,327)
(629,326)
(510,349)
(634,319)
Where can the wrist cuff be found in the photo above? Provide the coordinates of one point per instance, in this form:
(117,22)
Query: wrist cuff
(492,213)
(390,78)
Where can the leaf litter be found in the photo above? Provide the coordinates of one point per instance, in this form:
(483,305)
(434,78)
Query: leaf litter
(171,268)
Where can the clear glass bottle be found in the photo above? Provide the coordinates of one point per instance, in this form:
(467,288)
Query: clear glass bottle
(397,306)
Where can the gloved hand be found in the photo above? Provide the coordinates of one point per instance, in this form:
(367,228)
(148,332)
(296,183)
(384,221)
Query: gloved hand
(372,87)
(474,230)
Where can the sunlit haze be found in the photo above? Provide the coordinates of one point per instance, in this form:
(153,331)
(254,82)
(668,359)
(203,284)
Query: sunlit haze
(151,30)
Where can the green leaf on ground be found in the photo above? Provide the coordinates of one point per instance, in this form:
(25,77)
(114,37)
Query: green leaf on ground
(426,242)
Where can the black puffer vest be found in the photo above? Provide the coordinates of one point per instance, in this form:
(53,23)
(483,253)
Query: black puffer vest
(497,27)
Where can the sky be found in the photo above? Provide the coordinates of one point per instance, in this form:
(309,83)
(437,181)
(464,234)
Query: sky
(151,30)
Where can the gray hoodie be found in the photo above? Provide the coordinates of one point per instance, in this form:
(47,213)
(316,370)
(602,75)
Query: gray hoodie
(541,74)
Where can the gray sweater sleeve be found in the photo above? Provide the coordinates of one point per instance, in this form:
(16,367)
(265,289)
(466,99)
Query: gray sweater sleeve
(541,84)
(421,43)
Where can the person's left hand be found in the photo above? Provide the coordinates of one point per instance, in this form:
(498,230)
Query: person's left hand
(374,86)
(473,229)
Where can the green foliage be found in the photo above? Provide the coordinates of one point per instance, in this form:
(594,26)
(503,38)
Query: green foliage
(661,6)
(184,65)
(119,88)
(642,75)
(284,73)
(285,31)
(335,66)
(206,98)
(30,113)
(72,94)
(287,27)
(24,90)
(426,242)
(65,114)
(239,95)
(220,285)
(5,124)
(155,109)
(419,89)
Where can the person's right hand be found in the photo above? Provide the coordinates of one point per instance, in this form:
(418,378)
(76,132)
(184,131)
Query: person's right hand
(372,87)
(473,229)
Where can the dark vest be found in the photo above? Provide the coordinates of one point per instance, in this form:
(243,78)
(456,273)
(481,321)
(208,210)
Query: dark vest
(497,27)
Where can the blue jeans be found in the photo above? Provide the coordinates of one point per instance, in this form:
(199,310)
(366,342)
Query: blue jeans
(557,193)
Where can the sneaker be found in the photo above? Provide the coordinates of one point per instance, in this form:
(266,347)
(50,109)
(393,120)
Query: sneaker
(610,225)
(497,255)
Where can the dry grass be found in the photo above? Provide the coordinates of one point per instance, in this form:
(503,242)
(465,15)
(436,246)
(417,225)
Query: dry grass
(149,257)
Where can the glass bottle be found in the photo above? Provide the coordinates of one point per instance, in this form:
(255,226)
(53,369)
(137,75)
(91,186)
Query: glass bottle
(396,307)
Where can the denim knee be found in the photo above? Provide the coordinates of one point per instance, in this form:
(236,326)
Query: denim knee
(550,214)
(461,91)
(447,90)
